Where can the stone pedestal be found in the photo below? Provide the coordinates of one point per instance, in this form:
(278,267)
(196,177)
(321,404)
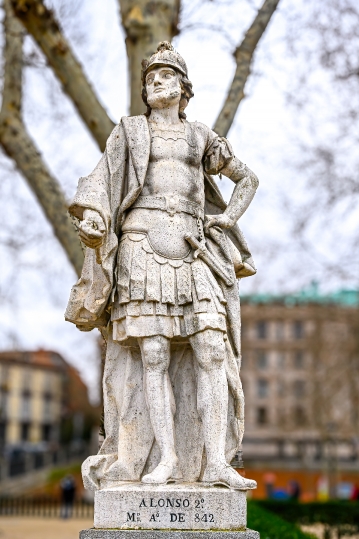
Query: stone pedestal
(164,534)
(174,511)
(183,511)
(184,506)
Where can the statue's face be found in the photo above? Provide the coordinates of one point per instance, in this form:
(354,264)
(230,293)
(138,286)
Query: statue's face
(163,87)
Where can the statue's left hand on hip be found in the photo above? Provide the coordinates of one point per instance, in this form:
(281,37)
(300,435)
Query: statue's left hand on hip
(222,220)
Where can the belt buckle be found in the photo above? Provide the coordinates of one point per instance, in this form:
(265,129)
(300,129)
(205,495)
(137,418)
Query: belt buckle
(172,204)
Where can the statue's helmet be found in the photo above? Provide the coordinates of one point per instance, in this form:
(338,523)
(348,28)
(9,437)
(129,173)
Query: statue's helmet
(165,56)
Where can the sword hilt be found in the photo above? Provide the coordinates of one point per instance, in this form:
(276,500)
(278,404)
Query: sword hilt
(209,259)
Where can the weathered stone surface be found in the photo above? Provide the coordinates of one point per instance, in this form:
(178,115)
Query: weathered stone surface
(181,507)
(162,255)
(158,534)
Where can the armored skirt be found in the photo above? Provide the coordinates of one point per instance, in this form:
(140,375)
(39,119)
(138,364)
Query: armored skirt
(163,296)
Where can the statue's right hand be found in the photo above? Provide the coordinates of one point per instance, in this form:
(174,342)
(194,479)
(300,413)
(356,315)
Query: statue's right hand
(92,229)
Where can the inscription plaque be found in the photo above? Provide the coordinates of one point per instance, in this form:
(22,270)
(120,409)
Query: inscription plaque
(184,507)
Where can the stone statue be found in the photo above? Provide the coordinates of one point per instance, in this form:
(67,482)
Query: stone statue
(163,252)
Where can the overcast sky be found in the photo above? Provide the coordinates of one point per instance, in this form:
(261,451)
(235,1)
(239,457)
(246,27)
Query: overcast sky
(35,275)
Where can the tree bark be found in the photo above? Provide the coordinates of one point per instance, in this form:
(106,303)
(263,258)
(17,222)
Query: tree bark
(42,25)
(146,23)
(18,145)
(243,55)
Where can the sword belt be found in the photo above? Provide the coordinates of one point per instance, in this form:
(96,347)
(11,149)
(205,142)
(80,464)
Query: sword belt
(169,203)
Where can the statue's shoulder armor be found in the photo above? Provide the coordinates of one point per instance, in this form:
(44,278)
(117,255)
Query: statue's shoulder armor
(203,131)
(199,127)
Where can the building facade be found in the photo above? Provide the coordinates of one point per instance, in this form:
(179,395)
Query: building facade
(300,373)
(42,400)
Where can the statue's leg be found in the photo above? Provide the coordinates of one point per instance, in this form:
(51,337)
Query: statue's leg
(156,359)
(212,392)
(212,401)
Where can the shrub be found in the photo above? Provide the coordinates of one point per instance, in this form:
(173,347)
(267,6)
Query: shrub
(272,526)
(332,513)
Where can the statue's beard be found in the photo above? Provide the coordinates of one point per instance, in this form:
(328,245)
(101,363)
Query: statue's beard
(164,99)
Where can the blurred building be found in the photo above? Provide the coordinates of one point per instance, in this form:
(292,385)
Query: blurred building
(300,373)
(42,401)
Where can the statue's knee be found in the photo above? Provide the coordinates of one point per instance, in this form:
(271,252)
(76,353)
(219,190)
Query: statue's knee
(158,362)
(155,354)
(211,355)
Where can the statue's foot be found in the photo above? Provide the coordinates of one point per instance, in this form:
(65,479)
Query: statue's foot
(162,474)
(224,474)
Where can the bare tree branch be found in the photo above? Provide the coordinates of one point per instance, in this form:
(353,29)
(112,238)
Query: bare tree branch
(243,55)
(18,144)
(42,25)
(146,24)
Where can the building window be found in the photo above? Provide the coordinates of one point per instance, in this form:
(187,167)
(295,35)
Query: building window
(4,376)
(262,416)
(281,388)
(299,388)
(300,417)
(279,330)
(262,360)
(2,435)
(25,432)
(280,360)
(47,406)
(262,388)
(4,400)
(298,329)
(298,359)
(25,405)
(46,433)
(281,417)
(262,329)
(48,381)
(26,378)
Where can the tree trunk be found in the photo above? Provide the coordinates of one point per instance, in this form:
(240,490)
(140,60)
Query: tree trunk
(146,24)
(40,22)
(243,55)
(19,146)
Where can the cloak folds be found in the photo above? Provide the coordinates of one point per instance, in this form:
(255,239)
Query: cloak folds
(129,449)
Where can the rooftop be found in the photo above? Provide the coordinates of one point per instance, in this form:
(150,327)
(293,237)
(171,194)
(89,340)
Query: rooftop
(310,294)
(39,358)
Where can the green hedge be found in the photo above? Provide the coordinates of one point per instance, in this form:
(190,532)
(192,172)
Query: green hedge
(332,513)
(271,526)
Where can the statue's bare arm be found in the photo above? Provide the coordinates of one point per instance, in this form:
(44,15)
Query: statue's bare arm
(246,185)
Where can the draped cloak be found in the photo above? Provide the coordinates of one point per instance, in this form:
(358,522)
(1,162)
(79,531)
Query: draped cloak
(129,449)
